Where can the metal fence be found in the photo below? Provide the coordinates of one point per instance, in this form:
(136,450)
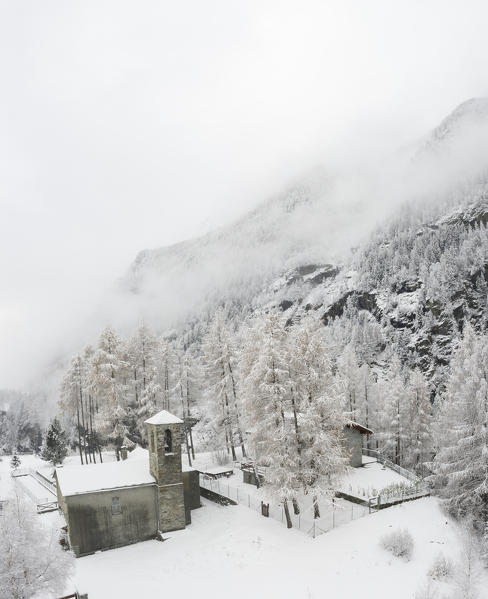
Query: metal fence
(43,504)
(333,514)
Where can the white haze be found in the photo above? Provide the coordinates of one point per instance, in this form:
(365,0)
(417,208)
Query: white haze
(131,125)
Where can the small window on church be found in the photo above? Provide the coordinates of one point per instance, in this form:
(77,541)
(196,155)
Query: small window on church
(115,505)
(168,441)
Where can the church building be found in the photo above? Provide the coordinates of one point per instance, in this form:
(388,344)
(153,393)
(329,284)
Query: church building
(117,503)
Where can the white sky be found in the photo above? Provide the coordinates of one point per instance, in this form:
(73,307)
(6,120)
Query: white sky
(126,125)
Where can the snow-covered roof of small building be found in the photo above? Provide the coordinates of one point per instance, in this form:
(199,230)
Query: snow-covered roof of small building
(164,417)
(359,427)
(133,472)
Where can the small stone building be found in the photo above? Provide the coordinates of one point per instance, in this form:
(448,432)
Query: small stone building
(353,441)
(117,503)
(353,444)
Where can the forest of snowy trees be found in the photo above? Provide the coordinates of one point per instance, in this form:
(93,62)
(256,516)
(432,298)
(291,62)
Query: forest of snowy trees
(279,389)
(277,385)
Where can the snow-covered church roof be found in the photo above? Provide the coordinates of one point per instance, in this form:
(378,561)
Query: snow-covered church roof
(163,417)
(89,478)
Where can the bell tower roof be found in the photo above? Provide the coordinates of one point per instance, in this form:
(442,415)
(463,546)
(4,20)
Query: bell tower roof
(163,417)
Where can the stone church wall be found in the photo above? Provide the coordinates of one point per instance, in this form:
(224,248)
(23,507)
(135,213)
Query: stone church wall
(92,525)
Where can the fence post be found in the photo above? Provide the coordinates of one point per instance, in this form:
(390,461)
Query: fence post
(314,529)
(248,500)
(333,512)
(228,492)
(237,494)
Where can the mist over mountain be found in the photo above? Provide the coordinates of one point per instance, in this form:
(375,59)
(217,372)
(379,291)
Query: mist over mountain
(316,221)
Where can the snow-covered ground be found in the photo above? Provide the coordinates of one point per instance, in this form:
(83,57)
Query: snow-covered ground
(370,479)
(228,552)
(234,552)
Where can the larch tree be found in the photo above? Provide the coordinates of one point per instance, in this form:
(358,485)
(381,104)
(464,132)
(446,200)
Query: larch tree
(106,375)
(266,389)
(461,462)
(394,411)
(220,360)
(317,399)
(417,422)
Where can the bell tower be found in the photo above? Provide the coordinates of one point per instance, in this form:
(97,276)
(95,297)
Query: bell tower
(164,436)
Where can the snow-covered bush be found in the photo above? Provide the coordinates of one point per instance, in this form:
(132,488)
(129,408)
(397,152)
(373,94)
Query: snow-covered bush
(395,490)
(426,591)
(399,542)
(442,567)
(220,457)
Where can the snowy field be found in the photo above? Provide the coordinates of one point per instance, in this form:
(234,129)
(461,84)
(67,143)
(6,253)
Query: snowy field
(229,553)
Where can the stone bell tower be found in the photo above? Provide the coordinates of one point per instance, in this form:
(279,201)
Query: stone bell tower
(164,436)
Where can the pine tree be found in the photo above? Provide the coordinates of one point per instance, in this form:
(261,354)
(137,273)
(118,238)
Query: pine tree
(55,446)
(15,461)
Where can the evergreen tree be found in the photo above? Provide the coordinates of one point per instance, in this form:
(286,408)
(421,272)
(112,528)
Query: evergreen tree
(55,447)
(15,461)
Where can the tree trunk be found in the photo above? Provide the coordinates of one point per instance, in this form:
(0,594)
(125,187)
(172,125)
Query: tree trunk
(316,510)
(296,507)
(191,442)
(83,423)
(78,428)
(227,417)
(287,514)
(92,444)
(236,408)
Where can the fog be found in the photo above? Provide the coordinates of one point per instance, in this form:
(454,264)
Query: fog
(132,125)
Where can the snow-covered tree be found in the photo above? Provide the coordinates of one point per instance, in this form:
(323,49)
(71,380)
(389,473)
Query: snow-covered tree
(222,392)
(266,391)
(32,562)
(55,446)
(392,433)
(15,461)
(417,422)
(107,384)
(461,461)
(317,399)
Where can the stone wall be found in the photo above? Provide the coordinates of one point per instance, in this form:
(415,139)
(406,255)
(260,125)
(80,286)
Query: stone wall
(354,445)
(171,507)
(191,483)
(92,525)
(165,466)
